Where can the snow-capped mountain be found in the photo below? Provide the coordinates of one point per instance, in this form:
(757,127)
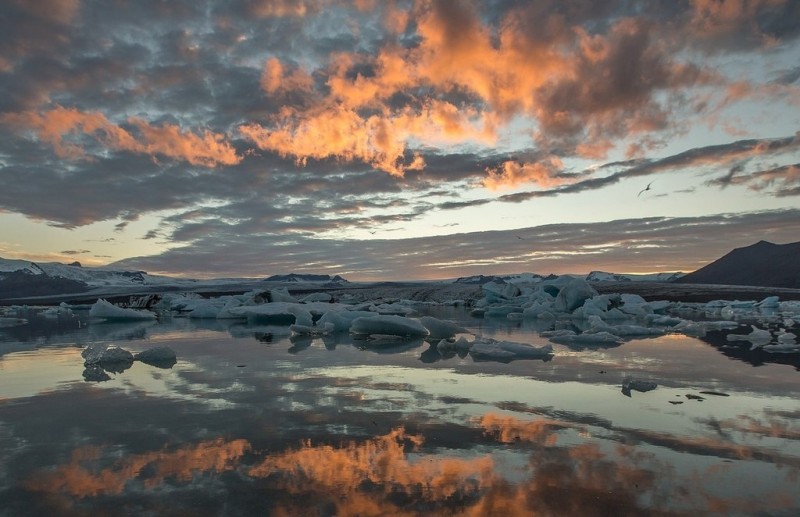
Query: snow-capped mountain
(91,276)
(602,276)
(305,277)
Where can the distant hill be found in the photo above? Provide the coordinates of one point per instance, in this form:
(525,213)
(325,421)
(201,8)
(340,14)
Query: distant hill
(761,264)
(602,276)
(303,277)
(22,278)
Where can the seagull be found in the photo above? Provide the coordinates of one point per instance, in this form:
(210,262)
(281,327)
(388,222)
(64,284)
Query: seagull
(372,232)
(644,189)
(518,237)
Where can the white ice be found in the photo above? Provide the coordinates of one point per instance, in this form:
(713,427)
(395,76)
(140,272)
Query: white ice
(390,325)
(108,311)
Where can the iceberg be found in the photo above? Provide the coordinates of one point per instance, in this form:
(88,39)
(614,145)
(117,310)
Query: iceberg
(159,356)
(441,328)
(110,357)
(275,310)
(639,385)
(318,330)
(390,325)
(108,311)
(6,322)
(757,337)
(569,337)
(504,351)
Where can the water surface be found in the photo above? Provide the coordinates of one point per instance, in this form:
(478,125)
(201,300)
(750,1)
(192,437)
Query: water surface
(253,421)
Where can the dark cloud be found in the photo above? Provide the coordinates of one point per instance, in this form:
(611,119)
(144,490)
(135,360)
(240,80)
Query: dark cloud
(663,243)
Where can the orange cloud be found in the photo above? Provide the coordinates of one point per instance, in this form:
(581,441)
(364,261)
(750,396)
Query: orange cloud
(60,127)
(275,79)
(543,173)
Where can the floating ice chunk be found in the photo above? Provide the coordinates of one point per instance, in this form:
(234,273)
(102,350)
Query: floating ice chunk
(112,358)
(57,312)
(275,310)
(95,373)
(700,328)
(108,311)
(391,325)
(206,310)
(496,292)
(598,325)
(93,352)
(597,338)
(6,322)
(501,311)
(342,320)
(316,297)
(536,309)
(316,330)
(639,385)
(459,345)
(159,356)
(784,337)
(490,350)
(441,328)
(782,348)
(573,295)
(770,302)
(269,296)
(757,337)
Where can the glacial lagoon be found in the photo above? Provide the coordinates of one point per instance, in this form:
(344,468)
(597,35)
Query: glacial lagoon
(252,420)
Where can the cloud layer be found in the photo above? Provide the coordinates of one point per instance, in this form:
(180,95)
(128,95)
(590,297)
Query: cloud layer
(300,125)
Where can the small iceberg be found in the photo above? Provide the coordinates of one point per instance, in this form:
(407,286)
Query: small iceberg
(388,325)
(158,356)
(506,351)
(108,311)
(110,358)
(629,384)
(440,329)
(758,337)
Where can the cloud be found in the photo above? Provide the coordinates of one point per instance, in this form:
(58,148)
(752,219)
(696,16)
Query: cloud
(57,125)
(662,243)
(782,181)
(544,173)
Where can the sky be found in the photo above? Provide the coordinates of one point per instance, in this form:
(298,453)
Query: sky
(383,140)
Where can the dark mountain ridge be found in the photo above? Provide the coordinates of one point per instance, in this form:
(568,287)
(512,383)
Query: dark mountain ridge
(761,264)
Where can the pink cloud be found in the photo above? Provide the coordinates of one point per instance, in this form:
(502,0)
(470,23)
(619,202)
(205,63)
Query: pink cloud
(59,127)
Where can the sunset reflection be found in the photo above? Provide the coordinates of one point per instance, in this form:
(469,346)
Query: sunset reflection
(90,472)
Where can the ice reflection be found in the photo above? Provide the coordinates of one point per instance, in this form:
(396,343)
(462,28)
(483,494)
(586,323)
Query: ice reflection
(249,425)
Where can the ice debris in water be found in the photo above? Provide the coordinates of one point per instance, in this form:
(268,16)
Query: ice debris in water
(160,356)
(491,350)
(631,384)
(6,322)
(390,325)
(108,311)
(756,337)
(441,328)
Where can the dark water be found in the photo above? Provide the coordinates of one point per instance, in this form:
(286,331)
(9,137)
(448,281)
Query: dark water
(252,422)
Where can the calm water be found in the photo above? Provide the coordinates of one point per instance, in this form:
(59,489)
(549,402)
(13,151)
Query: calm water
(251,421)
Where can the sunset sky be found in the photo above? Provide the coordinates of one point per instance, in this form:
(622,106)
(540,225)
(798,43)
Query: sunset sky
(398,139)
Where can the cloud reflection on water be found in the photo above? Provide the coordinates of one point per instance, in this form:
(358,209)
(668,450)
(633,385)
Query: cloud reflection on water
(398,473)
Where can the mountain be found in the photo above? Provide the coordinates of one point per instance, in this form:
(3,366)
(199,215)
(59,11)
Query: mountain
(761,264)
(305,277)
(602,276)
(22,278)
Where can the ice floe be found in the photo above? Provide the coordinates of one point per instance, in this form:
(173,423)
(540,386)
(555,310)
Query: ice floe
(388,325)
(108,311)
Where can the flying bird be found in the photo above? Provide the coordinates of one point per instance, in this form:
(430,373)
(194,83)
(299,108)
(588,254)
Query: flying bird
(518,237)
(644,189)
